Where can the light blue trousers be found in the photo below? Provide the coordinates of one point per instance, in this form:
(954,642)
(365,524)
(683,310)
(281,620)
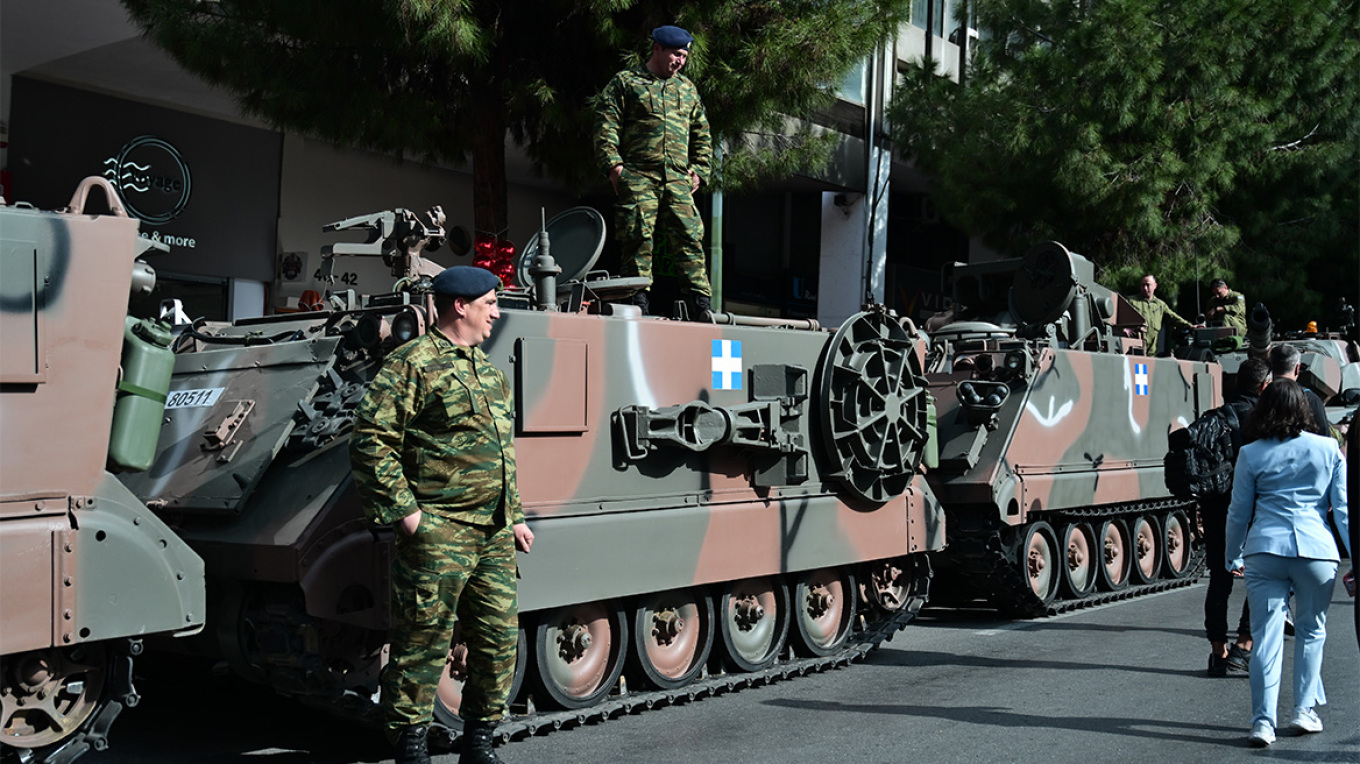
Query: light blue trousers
(1269,581)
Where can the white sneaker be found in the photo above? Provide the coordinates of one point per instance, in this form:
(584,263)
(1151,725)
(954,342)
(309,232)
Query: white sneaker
(1306,720)
(1262,734)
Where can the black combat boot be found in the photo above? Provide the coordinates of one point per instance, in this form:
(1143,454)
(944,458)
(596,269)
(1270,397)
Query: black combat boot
(411,747)
(478,739)
(703,307)
(643,300)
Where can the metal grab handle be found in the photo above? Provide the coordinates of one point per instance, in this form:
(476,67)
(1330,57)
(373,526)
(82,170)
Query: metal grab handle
(77,205)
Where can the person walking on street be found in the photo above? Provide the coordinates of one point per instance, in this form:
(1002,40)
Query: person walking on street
(433,457)
(1226,307)
(1224,659)
(652,141)
(1155,313)
(1278,537)
(1285,364)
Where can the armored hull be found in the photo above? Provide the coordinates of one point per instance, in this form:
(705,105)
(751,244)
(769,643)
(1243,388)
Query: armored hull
(708,500)
(1053,427)
(86,570)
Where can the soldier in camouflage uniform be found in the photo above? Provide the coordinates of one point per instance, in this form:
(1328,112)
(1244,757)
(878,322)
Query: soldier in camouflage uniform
(1155,312)
(433,456)
(1226,307)
(652,140)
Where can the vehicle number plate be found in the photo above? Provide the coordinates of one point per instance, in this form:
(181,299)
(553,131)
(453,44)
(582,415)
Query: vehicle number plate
(183,399)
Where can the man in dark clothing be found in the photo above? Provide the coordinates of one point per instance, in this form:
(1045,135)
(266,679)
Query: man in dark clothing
(1285,364)
(1252,378)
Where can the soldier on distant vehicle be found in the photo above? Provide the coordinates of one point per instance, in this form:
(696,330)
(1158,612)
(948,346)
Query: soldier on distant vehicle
(652,140)
(433,456)
(1226,307)
(1155,313)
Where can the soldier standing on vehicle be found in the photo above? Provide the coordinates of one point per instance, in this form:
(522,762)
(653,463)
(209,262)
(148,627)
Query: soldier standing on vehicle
(1155,313)
(652,141)
(1226,307)
(433,457)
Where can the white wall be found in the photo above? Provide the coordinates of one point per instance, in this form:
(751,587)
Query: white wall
(322,184)
(840,279)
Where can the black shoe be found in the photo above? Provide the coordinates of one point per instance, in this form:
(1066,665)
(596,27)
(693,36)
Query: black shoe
(1218,667)
(703,307)
(643,300)
(1238,660)
(478,739)
(411,746)
(1288,626)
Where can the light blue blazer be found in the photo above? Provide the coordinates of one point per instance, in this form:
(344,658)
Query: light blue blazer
(1281,493)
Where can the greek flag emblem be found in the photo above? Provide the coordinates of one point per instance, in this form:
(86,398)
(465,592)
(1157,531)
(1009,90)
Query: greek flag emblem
(726,364)
(1140,379)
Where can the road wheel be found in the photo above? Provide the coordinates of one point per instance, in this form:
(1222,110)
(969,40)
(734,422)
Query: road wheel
(1081,560)
(579,652)
(1147,549)
(753,620)
(824,610)
(1039,560)
(672,637)
(1176,525)
(1115,555)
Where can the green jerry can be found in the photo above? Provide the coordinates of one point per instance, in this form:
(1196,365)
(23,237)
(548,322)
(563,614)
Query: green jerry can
(147,367)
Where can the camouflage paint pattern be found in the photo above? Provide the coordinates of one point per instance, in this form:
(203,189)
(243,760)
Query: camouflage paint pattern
(658,130)
(620,511)
(646,207)
(83,563)
(447,569)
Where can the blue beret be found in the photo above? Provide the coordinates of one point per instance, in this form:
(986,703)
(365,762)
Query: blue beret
(465,281)
(672,37)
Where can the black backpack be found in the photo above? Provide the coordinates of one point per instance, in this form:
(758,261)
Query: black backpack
(1200,462)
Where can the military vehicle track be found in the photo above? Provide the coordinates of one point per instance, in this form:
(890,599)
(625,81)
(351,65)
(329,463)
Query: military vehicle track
(629,702)
(985,562)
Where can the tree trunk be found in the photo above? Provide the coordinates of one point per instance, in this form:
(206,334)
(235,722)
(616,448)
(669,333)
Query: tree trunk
(490,209)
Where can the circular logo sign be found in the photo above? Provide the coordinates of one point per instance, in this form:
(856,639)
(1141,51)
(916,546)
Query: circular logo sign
(152,179)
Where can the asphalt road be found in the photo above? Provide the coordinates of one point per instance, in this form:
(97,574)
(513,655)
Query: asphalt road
(1119,683)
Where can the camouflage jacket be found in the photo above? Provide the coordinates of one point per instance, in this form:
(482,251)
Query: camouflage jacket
(1234,306)
(653,126)
(435,433)
(1156,312)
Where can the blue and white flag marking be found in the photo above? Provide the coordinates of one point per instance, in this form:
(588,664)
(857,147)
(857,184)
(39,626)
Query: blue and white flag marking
(1140,379)
(726,364)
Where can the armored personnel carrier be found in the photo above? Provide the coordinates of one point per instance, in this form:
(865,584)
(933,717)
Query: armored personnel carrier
(86,570)
(1052,428)
(711,500)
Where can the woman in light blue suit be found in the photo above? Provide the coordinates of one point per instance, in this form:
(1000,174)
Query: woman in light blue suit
(1285,481)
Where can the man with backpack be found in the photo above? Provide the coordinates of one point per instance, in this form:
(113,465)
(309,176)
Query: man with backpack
(1224,659)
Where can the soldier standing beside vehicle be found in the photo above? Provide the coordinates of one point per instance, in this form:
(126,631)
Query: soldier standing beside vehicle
(1155,313)
(433,457)
(652,140)
(1226,307)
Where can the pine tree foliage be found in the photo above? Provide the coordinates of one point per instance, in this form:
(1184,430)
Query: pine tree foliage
(1196,137)
(449,80)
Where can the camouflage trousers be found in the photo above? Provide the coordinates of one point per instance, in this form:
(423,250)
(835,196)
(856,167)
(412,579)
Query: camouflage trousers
(646,207)
(449,568)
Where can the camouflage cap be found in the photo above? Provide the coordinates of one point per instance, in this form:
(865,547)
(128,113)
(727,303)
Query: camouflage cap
(465,281)
(672,37)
